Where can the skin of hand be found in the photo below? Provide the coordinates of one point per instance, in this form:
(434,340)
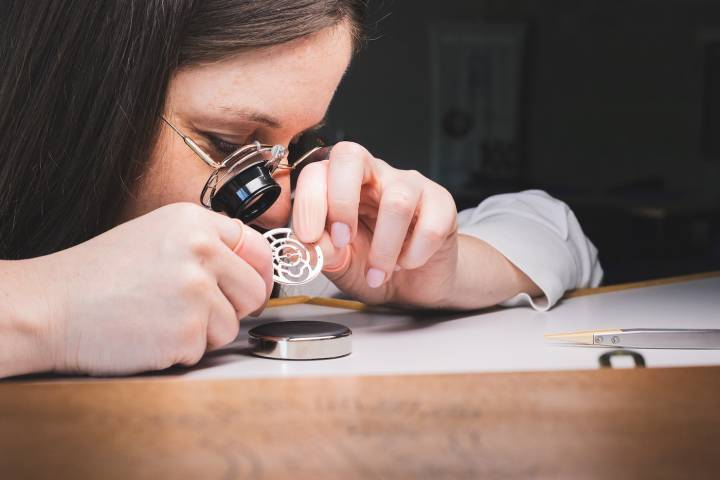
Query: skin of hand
(390,236)
(205,272)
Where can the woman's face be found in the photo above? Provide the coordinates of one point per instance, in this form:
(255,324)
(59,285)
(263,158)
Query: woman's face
(271,95)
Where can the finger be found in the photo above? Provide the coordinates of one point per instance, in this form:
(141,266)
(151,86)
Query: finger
(436,221)
(335,260)
(348,171)
(398,204)
(230,230)
(223,324)
(246,243)
(239,282)
(255,250)
(310,206)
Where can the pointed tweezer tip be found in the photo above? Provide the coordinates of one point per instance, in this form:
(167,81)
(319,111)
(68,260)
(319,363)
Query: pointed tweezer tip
(577,338)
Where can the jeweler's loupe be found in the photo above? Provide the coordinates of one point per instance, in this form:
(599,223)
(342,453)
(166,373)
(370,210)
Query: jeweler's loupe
(244,187)
(242,184)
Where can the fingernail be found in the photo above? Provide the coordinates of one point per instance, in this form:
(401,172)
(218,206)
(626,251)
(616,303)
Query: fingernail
(340,234)
(375,277)
(397,268)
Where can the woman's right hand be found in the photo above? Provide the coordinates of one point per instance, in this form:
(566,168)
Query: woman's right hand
(153,292)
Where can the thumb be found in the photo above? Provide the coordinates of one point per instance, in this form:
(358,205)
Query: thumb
(255,250)
(336,261)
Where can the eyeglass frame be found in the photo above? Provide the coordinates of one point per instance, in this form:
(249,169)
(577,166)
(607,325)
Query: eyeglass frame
(248,152)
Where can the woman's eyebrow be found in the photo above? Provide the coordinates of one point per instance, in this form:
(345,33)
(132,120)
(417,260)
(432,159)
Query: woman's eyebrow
(270,121)
(253,116)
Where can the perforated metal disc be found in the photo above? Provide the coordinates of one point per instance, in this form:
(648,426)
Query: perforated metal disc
(294,263)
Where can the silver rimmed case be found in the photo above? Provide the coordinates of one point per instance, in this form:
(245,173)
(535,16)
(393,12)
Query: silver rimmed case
(301,340)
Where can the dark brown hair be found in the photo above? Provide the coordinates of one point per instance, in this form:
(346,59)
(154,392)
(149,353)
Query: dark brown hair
(83,83)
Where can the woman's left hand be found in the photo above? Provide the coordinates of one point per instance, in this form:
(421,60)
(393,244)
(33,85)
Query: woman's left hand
(387,235)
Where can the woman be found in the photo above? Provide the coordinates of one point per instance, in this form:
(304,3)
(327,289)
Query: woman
(112,267)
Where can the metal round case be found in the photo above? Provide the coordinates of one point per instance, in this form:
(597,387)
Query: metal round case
(301,340)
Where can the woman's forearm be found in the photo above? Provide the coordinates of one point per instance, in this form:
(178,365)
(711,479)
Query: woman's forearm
(24,319)
(484,277)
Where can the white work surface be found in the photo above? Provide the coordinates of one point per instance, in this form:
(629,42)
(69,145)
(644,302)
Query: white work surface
(504,340)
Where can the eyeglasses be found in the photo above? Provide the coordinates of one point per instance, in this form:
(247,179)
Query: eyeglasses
(242,184)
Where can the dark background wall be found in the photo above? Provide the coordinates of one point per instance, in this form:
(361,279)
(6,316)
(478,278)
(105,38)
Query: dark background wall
(611,118)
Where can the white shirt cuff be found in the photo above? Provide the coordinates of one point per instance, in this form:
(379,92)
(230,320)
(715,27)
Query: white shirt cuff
(533,248)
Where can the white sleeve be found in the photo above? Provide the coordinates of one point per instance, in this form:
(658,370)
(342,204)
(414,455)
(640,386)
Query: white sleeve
(542,237)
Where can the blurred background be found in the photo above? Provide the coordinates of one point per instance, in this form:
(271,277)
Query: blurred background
(612,106)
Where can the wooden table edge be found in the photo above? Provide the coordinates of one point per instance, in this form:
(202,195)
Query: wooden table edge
(580,292)
(513,373)
(714,369)
(583,292)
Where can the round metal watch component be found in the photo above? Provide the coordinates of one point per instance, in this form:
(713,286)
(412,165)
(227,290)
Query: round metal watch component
(301,340)
(294,263)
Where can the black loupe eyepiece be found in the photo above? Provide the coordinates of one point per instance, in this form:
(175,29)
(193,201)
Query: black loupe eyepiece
(248,194)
